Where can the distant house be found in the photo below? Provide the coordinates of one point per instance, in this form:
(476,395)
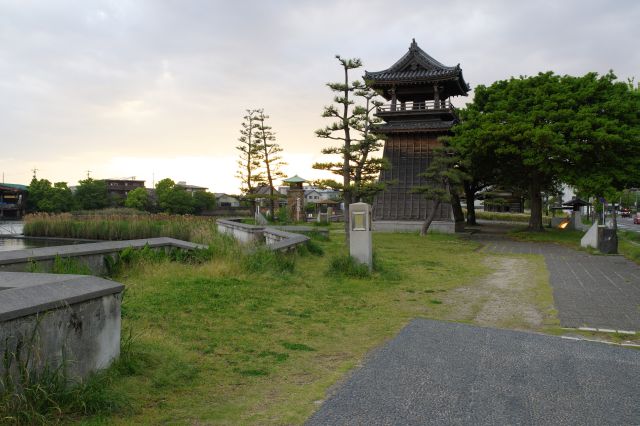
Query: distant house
(12,200)
(312,196)
(224,200)
(191,188)
(502,200)
(121,187)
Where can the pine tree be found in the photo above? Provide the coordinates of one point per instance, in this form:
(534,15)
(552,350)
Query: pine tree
(444,176)
(250,153)
(353,127)
(269,154)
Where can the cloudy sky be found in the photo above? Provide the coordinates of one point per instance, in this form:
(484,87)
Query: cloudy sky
(158,88)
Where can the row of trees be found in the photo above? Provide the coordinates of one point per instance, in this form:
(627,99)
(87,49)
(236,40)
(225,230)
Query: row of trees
(91,194)
(260,162)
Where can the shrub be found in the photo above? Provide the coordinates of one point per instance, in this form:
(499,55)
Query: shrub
(348,266)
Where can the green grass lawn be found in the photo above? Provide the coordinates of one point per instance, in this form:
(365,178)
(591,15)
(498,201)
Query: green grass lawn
(566,237)
(217,343)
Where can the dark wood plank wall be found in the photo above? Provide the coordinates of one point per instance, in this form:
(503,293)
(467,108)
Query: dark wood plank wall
(409,155)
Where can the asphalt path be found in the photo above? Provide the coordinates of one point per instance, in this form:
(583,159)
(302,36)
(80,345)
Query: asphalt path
(627,224)
(443,373)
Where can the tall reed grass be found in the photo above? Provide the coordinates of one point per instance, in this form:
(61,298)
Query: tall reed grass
(508,217)
(112,225)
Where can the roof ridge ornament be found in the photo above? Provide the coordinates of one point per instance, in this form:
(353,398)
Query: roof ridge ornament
(414,45)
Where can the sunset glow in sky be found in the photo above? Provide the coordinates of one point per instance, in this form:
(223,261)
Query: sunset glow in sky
(158,88)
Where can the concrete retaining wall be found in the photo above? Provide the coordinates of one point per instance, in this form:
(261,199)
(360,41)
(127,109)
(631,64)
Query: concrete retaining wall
(92,255)
(242,232)
(53,320)
(274,239)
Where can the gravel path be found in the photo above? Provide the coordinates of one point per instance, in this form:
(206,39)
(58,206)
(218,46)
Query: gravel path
(588,290)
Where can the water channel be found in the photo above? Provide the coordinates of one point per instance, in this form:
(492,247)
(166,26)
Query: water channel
(11,238)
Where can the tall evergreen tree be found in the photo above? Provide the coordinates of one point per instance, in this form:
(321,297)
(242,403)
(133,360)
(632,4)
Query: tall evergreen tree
(250,153)
(353,127)
(270,156)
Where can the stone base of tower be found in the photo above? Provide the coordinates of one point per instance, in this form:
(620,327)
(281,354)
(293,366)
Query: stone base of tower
(440,226)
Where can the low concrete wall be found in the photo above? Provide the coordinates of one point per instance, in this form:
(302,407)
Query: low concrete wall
(92,255)
(274,239)
(242,232)
(68,320)
(283,241)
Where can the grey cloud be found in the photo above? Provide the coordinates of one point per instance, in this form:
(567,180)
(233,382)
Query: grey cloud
(185,70)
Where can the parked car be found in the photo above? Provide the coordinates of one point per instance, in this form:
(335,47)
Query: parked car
(636,219)
(625,213)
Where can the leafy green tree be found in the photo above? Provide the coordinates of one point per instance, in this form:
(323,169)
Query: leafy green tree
(546,128)
(44,197)
(61,198)
(477,161)
(250,154)
(39,192)
(173,198)
(444,177)
(137,199)
(92,194)
(269,156)
(203,200)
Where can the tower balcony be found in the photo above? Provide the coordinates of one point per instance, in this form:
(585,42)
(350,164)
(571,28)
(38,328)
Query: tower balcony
(415,107)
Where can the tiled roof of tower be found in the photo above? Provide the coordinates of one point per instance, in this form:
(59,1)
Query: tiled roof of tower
(417,65)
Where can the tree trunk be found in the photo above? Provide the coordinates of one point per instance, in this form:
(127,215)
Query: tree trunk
(346,166)
(429,218)
(458,215)
(470,194)
(535,221)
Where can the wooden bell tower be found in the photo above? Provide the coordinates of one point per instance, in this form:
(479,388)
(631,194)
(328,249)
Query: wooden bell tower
(418,89)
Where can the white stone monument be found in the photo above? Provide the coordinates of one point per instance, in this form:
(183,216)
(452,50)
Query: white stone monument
(361,245)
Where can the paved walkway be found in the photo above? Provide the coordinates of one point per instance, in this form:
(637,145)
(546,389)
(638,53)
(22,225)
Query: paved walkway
(443,373)
(588,290)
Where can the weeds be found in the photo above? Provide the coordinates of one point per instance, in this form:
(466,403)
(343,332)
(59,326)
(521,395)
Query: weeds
(348,266)
(263,260)
(69,265)
(147,255)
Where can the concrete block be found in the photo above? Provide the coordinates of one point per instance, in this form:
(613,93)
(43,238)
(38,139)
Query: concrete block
(62,320)
(590,239)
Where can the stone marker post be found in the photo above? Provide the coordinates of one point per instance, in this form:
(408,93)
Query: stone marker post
(361,246)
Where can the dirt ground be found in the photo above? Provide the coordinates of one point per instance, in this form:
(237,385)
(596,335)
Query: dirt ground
(512,296)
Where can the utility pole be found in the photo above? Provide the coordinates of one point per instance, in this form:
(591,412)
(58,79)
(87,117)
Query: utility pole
(88,174)
(34,170)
